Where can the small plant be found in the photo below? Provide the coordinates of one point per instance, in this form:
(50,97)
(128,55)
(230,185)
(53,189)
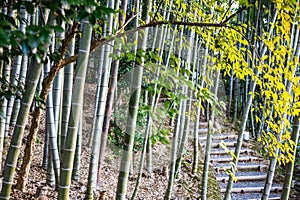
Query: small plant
(116,134)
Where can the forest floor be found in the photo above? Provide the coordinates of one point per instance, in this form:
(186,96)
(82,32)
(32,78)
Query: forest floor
(186,186)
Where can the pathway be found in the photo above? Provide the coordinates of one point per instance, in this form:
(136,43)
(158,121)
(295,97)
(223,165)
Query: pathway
(251,169)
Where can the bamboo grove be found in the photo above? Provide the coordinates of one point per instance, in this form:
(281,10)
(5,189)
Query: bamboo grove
(173,50)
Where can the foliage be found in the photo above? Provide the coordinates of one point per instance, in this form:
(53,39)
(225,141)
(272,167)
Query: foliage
(116,134)
(8,89)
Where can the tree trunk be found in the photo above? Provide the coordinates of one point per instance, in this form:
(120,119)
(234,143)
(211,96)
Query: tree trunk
(173,156)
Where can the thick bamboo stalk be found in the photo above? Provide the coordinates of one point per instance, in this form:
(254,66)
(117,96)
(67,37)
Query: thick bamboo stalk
(67,96)
(53,136)
(208,142)
(97,132)
(76,168)
(135,90)
(173,156)
(13,152)
(3,109)
(77,99)
(290,166)
(110,98)
(174,139)
(15,77)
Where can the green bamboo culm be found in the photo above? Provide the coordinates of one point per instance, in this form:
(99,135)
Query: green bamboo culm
(3,110)
(208,143)
(101,105)
(76,107)
(286,188)
(135,90)
(67,96)
(16,141)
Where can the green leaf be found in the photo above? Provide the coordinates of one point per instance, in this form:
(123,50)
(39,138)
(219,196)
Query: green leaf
(2,115)
(38,58)
(107,10)
(82,14)
(25,48)
(58,29)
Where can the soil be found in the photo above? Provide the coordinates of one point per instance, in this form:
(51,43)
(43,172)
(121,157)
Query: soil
(153,186)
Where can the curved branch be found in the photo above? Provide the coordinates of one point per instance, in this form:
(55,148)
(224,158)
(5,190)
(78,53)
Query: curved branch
(241,9)
(119,33)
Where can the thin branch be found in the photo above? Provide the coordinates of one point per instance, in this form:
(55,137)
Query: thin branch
(182,23)
(226,11)
(128,21)
(241,9)
(68,60)
(119,33)
(57,66)
(106,40)
(249,43)
(158,7)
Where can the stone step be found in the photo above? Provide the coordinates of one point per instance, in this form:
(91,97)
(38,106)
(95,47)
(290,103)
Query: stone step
(253,196)
(203,124)
(219,137)
(270,198)
(223,152)
(248,167)
(229,159)
(228,144)
(250,173)
(251,189)
(243,178)
(204,130)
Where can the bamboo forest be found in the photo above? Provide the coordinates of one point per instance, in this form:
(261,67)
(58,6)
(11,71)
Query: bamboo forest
(149,99)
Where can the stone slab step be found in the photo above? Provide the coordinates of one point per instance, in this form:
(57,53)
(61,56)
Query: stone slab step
(270,198)
(248,167)
(228,144)
(253,196)
(249,184)
(229,159)
(203,124)
(204,130)
(218,137)
(223,152)
(251,189)
(243,178)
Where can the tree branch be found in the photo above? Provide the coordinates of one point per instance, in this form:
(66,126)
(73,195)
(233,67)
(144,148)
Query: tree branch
(241,9)
(106,40)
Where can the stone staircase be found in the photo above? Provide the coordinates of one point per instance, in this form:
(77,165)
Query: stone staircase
(251,170)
